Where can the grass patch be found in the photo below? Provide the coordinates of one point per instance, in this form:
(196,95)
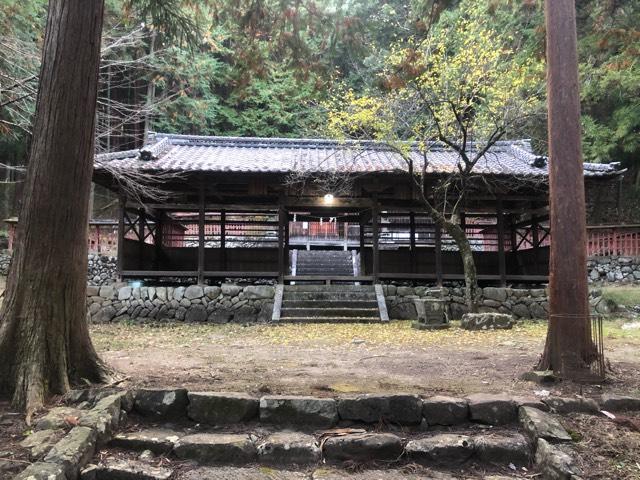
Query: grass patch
(622,295)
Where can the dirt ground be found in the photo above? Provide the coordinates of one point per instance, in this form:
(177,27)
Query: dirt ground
(323,359)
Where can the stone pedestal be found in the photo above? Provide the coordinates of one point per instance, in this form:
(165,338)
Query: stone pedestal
(432,314)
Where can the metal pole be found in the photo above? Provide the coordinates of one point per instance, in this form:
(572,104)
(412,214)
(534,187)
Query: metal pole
(568,304)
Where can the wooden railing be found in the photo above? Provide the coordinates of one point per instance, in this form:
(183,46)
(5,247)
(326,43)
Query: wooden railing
(606,240)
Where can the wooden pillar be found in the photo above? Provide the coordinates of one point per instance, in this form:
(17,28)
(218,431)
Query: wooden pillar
(363,269)
(438,253)
(120,264)
(281,242)
(502,261)
(223,240)
(141,225)
(535,239)
(286,242)
(375,242)
(412,242)
(158,240)
(201,238)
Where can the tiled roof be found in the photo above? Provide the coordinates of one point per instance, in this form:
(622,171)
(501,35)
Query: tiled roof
(188,153)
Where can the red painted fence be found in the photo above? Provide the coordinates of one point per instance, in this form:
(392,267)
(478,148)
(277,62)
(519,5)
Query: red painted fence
(609,240)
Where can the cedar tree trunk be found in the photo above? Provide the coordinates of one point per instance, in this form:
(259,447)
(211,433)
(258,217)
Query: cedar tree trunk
(569,349)
(44,339)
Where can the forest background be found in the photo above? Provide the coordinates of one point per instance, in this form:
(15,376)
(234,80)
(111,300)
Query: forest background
(272,68)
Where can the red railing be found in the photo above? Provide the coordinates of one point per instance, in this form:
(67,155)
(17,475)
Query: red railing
(606,240)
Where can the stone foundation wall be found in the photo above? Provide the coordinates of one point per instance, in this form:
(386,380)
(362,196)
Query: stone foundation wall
(195,303)
(521,303)
(614,269)
(101,269)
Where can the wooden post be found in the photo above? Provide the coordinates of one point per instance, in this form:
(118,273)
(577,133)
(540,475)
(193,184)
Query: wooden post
(502,261)
(158,240)
(286,242)
(281,242)
(223,240)
(438,253)
(201,239)
(412,241)
(363,268)
(122,201)
(141,225)
(375,242)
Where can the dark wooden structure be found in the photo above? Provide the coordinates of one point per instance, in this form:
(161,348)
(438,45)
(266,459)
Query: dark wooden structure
(233,202)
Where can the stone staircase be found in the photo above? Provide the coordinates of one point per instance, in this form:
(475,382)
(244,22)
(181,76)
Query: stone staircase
(330,304)
(330,263)
(175,434)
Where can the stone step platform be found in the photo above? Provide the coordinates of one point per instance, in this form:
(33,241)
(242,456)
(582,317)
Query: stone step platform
(320,319)
(326,311)
(335,447)
(372,303)
(137,470)
(323,296)
(329,288)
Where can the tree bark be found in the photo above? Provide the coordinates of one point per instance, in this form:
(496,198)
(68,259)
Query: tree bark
(44,339)
(468,263)
(568,348)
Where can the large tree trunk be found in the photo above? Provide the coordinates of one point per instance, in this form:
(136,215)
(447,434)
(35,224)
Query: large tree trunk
(44,339)
(568,348)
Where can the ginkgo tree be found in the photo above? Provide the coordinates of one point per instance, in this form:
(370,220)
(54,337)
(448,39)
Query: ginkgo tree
(457,87)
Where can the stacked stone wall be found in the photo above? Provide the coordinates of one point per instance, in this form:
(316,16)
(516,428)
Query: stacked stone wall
(521,303)
(624,270)
(195,303)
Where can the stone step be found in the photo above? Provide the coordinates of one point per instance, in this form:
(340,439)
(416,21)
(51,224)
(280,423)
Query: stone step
(294,448)
(320,297)
(330,319)
(329,288)
(287,303)
(328,312)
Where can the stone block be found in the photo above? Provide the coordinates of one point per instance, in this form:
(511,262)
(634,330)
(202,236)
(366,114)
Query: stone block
(253,292)
(487,321)
(93,291)
(56,418)
(441,410)
(554,463)
(301,411)
(178,293)
(492,409)
(39,443)
(285,448)
(161,403)
(503,449)
(538,424)
(128,470)
(572,405)
(237,473)
(494,293)
(193,291)
(445,448)
(230,289)
(42,471)
(74,450)
(157,440)
(214,448)
(196,313)
(363,447)
(215,408)
(212,292)
(619,403)
(397,409)
(104,417)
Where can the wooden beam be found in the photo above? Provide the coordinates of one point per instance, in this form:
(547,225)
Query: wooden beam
(502,261)
(158,240)
(201,226)
(412,240)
